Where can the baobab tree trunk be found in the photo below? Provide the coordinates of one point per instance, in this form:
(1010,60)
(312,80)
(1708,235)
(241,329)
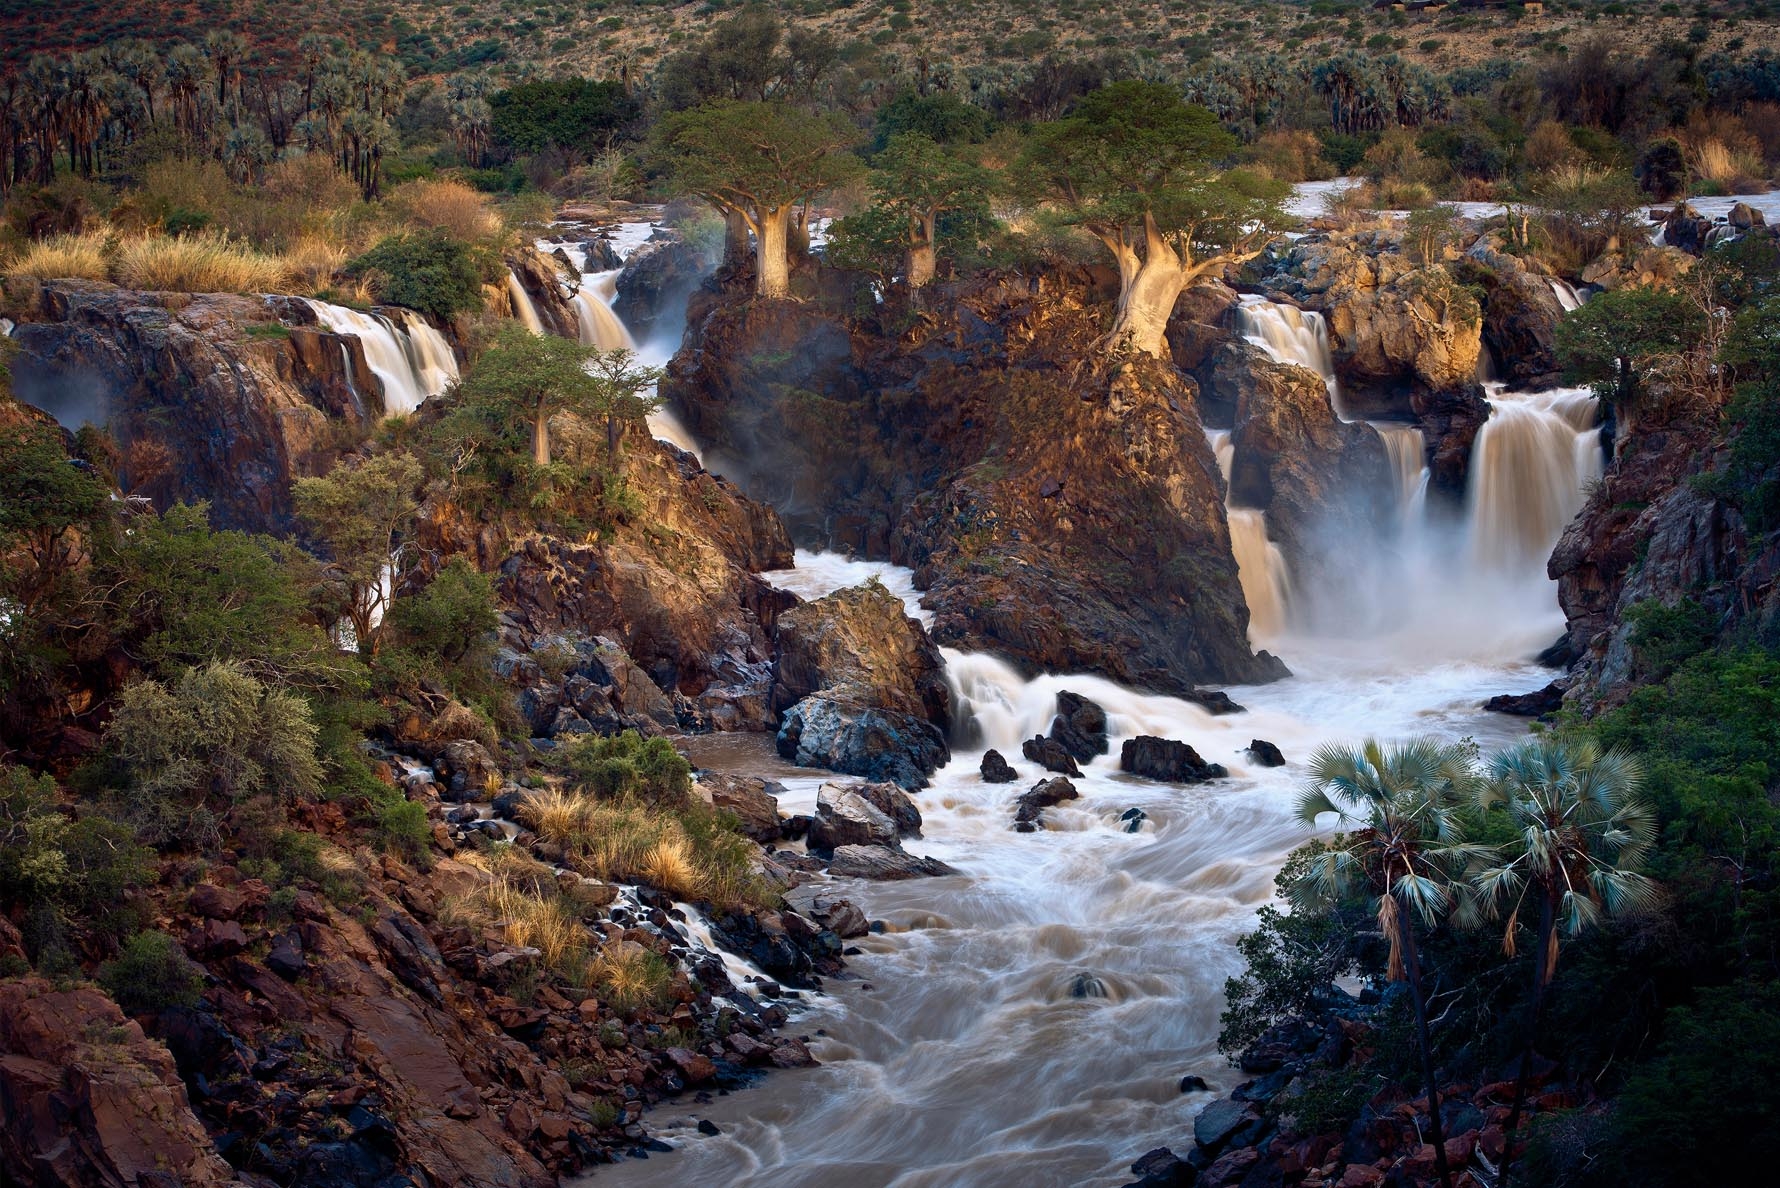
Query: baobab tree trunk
(772,263)
(735,237)
(1152,276)
(920,267)
(541,436)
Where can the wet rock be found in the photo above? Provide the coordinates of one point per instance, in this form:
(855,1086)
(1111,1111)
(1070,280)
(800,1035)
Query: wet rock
(545,283)
(469,770)
(1050,754)
(1080,726)
(1168,760)
(847,817)
(695,1067)
(882,862)
(1029,809)
(996,770)
(657,278)
(753,802)
(1536,704)
(1220,1119)
(1265,753)
(1162,1168)
(862,687)
(708,1128)
(841,917)
(1194,1084)
(1132,819)
(1521,312)
(1231,1168)
(1743,217)
(1213,701)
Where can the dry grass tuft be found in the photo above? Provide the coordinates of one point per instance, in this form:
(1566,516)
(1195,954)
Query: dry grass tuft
(630,976)
(311,263)
(61,257)
(203,263)
(447,205)
(527,920)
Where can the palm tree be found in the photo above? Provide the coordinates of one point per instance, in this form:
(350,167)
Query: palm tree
(1580,833)
(1404,843)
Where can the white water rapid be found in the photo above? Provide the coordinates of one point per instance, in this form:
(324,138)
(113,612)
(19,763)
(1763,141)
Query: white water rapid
(966,1053)
(412,360)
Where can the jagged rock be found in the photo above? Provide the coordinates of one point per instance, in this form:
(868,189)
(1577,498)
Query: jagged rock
(1213,701)
(1520,313)
(752,800)
(1536,704)
(285,957)
(840,916)
(1220,1119)
(1080,725)
(1687,229)
(657,278)
(1449,422)
(992,409)
(862,688)
(1168,760)
(1265,753)
(89,1100)
(547,286)
(881,862)
(845,817)
(894,803)
(468,769)
(1050,754)
(1162,1168)
(996,770)
(1029,809)
(1132,820)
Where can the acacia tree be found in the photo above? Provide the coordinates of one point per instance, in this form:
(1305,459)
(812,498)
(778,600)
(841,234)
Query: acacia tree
(1135,166)
(539,376)
(1579,831)
(757,161)
(1403,844)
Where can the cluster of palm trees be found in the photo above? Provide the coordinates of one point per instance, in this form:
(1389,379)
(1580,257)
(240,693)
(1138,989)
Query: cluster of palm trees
(1579,831)
(219,96)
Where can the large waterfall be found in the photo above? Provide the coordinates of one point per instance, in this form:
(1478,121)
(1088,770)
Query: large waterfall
(412,360)
(1531,466)
(599,326)
(1260,564)
(1290,335)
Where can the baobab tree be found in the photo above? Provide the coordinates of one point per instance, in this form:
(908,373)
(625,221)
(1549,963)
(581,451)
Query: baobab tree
(757,161)
(1136,166)
(915,181)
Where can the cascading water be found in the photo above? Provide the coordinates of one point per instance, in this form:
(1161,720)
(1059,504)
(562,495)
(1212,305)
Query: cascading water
(1566,294)
(1530,469)
(599,326)
(412,361)
(1291,335)
(1028,1021)
(1260,564)
(523,309)
(1406,448)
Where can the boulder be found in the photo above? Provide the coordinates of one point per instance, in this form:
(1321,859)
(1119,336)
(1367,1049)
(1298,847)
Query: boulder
(1080,726)
(1132,819)
(1029,809)
(862,688)
(751,800)
(1168,760)
(882,862)
(469,770)
(1265,753)
(1162,1168)
(894,803)
(545,282)
(842,917)
(1219,1120)
(1050,754)
(1536,704)
(845,817)
(996,770)
(1744,217)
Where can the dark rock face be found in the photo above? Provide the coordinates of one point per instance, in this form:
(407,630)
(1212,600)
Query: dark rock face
(547,284)
(657,279)
(996,770)
(1029,809)
(1536,704)
(1449,422)
(1080,726)
(202,406)
(1520,314)
(976,451)
(1323,482)
(1265,753)
(861,688)
(1050,754)
(1167,760)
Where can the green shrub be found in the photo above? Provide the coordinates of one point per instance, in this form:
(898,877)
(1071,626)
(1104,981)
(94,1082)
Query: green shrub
(150,974)
(427,271)
(625,765)
(403,828)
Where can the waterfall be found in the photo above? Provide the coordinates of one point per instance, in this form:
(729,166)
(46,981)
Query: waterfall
(599,326)
(1260,564)
(1530,469)
(1405,447)
(1566,294)
(1290,335)
(523,309)
(412,361)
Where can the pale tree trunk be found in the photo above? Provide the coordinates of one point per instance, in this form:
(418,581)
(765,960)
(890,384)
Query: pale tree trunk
(920,268)
(735,237)
(541,436)
(773,265)
(1147,293)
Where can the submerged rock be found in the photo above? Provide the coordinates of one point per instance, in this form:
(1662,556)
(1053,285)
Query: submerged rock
(1168,760)
(1080,725)
(1265,753)
(1029,809)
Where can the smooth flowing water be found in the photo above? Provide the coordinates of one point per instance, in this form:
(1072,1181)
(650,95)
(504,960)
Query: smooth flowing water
(412,360)
(1531,466)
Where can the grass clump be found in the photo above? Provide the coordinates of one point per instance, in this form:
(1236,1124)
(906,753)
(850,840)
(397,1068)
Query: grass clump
(630,977)
(62,257)
(207,262)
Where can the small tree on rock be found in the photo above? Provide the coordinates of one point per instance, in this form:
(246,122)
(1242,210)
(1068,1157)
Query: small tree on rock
(364,513)
(1623,339)
(758,161)
(1135,165)
(914,181)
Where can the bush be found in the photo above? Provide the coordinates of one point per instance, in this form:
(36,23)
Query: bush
(202,263)
(402,826)
(61,257)
(150,975)
(447,206)
(430,271)
(626,765)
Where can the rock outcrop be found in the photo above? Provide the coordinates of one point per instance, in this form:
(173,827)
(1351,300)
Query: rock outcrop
(548,284)
(1520,313)
(1063,514)
(208,396)
(1080,726)
(995,769)
(1168,760)
(1029,808)
(861,688)
(657,279)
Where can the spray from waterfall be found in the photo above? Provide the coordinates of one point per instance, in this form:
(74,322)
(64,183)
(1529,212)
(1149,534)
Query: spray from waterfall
(412,361)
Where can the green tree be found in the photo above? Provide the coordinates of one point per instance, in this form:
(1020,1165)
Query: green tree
(1623,339)
(757,161)
(914,181)
(1580,830)
(363,512)
(51,507)
(453,617)
(1135,165)
(572,117)
(152,974)
(429,271)
(1404,844)
(189,751)
(539,377)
